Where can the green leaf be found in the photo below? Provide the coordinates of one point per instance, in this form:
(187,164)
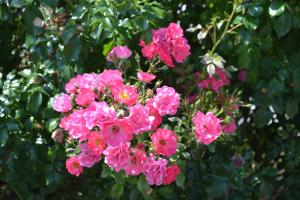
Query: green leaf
(251,23)
(160,13)
(255,10)
(68,34)
(107,47)
(34,102)
(180,180)
(265,190)
(3,137)
(291,107)
(117,191)
(72,49)
(142,185)
(26,73)
(283,24)
(97,32)
(53,123)
(51,3)
(262,116)
(245,57)
(276,8)
(119,179)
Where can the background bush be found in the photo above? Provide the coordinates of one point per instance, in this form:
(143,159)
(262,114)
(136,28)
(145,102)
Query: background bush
(45,43)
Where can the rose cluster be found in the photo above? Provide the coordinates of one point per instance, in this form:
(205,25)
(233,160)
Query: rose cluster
(208,127)
(168,44)
(105,117)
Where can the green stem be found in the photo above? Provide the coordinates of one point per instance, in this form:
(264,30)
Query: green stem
(225,30)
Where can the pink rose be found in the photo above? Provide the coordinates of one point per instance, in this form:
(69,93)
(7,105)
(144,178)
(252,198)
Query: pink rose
(155,117)
(149,50)
(139,119)
(155,170)
(87,156)
(75,124)
(73,166)
(175,31)
(164,142)
(125,94)
(145,77)
(171,173)
(136,162)
(98,113)
(117,157)
(85,97)
(166,101)
(117,132)
(180,49)
(208,127)
(62,103)
(96,142)
(215,82)
(111,77)
(230,128)
(87,81)
(119,52)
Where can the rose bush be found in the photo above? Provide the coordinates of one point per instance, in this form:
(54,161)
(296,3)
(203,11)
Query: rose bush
(234,64)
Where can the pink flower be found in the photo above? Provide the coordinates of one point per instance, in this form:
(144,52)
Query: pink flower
(164,53)
(71,86)
(139,119)
(87,156)
(117,157)
(208,127)
(155,170)
(98,113)
(111,77)
(85,97)
(145,77)
(87,81)
(180,49)
(171,173)
(96,142)
(148,50)
(125,94)
(62,103)
(215,82)
(166,101)
(73,166)
(174,31)
(117,132)
(230,128)
(193,98)
(119,52)
(167,42)
(136,162)
(242,76)
(164,142)
(75,124)
(155,117)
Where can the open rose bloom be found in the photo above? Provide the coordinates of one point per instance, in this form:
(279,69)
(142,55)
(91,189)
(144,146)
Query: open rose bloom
(123,123)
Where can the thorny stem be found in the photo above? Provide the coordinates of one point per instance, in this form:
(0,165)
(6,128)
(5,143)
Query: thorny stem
(225,30)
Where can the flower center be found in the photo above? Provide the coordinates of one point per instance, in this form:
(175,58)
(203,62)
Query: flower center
(162,142)
(124,95)
(115,129)
(97,141)
(76,165)
(133,160)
